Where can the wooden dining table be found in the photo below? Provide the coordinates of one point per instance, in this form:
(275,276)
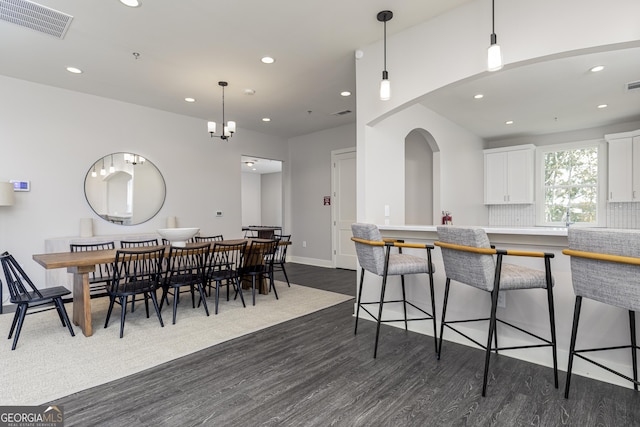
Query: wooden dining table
(80,264)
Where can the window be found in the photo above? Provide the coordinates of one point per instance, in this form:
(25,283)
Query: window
(570,184)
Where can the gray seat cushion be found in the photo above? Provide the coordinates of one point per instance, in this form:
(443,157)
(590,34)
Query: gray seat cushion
(371,258)
(478,270)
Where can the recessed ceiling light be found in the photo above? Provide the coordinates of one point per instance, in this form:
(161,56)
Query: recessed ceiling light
(478,96)
(345,93)
(74,70)
(249,91)
(603,106)
(508,122)
(268,60)
(266,119)
(131,3)
(190,99)
(597,68)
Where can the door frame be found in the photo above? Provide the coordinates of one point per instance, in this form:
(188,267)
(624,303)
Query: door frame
(334,185)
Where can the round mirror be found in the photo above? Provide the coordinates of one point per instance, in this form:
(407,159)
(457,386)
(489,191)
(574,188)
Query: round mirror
(124,188)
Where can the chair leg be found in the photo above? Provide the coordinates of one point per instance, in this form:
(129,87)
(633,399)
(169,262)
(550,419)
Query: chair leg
(253,288)
(203,294)
(112,301)
(492,331)
(285,274)
(384,287)
(273,285)
(634,356)
(123,306)
(15,320)
(552,321)
(444,312)
(154,300)
(404,303)
(238,286)
(22,308)
(355,331)
(63,314)
(218,284)
(495,335)
(176,292)
(572,346)
(433,312)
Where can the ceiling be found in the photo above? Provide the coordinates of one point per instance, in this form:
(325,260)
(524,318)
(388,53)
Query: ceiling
(557,95)
(185,47)
(257,165)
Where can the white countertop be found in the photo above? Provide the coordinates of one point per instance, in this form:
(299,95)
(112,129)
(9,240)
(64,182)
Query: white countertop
(529,231)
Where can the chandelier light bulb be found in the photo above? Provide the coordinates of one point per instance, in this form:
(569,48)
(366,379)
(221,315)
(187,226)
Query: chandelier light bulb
(494,57)
(211,127)
(385,90)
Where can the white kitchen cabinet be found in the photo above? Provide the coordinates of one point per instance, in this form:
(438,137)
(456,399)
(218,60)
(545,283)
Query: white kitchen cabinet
(624,167)
(508,175)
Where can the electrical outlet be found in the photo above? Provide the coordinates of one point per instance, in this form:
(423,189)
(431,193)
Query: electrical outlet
(502,300)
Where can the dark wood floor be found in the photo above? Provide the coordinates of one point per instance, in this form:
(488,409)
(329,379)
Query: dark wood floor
(314,371)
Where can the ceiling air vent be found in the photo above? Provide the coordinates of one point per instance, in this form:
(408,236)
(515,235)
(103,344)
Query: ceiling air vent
(35,16)
(341,113)
(633,85)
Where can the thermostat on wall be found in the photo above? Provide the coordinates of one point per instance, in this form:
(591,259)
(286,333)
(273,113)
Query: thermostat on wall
(19,185)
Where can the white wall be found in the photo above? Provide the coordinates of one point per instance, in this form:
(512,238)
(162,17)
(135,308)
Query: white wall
(310,167)
(251,199)
(52,136)
(271,198)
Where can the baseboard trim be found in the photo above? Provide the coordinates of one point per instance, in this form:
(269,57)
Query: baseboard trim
(311,261)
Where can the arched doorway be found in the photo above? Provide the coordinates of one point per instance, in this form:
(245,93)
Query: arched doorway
(421,178)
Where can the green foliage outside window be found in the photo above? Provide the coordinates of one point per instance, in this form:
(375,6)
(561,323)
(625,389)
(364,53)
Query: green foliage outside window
(571,184)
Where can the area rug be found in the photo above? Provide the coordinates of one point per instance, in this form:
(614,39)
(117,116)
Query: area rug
(48,363)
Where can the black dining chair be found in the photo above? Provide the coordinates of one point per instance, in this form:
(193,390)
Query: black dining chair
(27,297)
(186,267)
(224,268)
(258,264)
(280,255)
(101,278)
(136,272)
(124,244)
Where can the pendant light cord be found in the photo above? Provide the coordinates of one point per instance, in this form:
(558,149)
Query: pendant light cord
(385,46)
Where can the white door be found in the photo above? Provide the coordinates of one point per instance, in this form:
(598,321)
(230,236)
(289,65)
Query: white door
(343,207)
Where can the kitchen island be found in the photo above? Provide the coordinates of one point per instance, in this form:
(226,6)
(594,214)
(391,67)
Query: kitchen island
(600,325)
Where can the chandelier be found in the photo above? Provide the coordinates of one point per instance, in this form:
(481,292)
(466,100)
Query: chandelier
(228,128)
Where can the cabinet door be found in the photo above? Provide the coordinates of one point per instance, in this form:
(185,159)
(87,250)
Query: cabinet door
(495,178)
(520,176)
(620,172)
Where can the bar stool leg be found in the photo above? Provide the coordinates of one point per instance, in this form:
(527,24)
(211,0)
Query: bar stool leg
(552,319)
(634,356)
(444,311)
(404,304)
(384,287)
(572,347)
(433,310)
(355,331)
(492,330)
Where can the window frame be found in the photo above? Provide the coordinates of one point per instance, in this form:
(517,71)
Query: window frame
(601,188)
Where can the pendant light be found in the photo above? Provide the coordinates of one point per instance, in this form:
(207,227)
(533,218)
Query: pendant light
(494,54)
(385,84)
(228,128)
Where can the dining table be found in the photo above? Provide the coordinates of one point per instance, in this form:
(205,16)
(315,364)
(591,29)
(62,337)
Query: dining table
(80,264)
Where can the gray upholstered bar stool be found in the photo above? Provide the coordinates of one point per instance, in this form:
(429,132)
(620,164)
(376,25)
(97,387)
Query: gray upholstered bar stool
(374,256)
(470,259)
(605,267)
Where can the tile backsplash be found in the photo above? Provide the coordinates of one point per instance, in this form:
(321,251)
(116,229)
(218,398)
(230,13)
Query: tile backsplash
(512,215)
(619,215)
